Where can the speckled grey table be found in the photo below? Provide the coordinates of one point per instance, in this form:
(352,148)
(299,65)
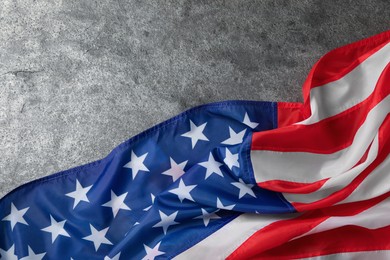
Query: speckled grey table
(79,77)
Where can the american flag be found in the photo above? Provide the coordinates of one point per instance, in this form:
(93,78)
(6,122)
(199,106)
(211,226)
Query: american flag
(234,179)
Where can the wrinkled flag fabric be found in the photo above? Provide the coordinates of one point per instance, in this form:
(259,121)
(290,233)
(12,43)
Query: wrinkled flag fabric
(234,179)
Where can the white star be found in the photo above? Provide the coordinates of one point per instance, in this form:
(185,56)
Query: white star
(196,133)
(32,256)
(221,206)
(136,164)
(9,254)
(151,253)
(116,257)
(244,188)
(56,229)
(147,208)
(116,203)
(231,159)
(176,170)
(212,166)
(16,216)
(80,194)
(166,220)
(98,237)
(206,216)
(248,122)
(183,191)
(235,138)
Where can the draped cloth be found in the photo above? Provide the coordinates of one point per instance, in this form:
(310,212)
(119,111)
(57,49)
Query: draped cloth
(233,179)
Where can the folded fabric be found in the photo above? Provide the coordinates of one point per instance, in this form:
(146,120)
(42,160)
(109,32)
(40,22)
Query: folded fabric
(234,179)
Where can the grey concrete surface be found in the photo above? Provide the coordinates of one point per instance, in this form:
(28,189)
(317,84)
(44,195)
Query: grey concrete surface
(79,77)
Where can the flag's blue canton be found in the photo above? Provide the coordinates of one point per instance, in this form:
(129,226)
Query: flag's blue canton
(154,196)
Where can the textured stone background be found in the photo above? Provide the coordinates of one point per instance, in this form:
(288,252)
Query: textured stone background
(79,77)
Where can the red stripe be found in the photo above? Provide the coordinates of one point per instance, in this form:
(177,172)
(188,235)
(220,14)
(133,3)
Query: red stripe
(331,134)
(279,233)
(339,240)
(383,152)
(338,62)
(289,113)
(292,187)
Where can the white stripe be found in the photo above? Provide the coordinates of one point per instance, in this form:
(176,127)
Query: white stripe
(375,184)
(369,255)
(336,183)
(375,217)
(225,240)
(331,99)
(309,167)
